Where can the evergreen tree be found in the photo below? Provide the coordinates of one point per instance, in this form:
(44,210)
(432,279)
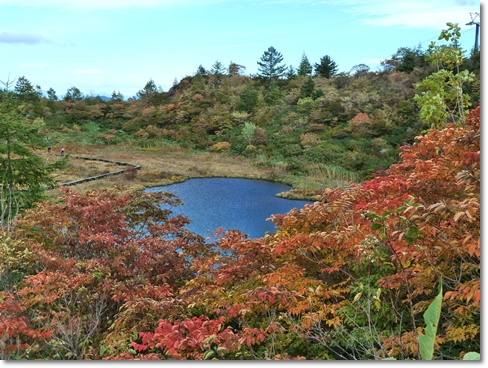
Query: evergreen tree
(218,68)
(326,68)
(201,71)
(25,91)
(270,66)
(51,99)
(248,100)
(73,94)
(148,91)
(305,68)
(473,63)
(291,73)
(307,88)
(273,94)
(24,175)
(218,71)
(406,59)
(151,94)
(51,95)
(117,96)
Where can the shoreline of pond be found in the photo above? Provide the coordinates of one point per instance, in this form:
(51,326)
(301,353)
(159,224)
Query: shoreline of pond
(291,194)
(166,168)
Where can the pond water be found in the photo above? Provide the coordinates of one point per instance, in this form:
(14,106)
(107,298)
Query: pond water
(230,203)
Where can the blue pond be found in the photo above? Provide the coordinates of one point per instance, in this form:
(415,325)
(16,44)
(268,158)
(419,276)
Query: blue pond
(230,203)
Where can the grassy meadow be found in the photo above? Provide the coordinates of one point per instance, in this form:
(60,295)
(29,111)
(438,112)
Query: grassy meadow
(158,167)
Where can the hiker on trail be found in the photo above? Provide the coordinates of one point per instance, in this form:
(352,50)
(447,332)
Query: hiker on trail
(49,150)
(62,151)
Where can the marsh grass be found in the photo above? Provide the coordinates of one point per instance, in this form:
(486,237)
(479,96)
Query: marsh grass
(169,164)
(321,177)
(158,167)
(333,172)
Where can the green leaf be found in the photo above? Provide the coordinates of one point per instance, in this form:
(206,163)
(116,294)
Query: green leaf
(209,354)
(210,339)
(412,234)
(431,318)
(376,226)
(472,355)
(401,208)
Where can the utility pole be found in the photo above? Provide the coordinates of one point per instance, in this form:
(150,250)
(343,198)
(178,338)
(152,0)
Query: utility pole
(475,21)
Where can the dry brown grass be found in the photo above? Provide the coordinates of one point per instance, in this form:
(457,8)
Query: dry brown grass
(158,167)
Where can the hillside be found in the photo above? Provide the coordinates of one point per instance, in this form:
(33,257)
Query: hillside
(311,131)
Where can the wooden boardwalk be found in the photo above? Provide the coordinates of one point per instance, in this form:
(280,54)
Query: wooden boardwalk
(101,176)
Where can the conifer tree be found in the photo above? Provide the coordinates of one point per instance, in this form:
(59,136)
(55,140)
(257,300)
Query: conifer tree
(201,71)
(51,95)
(218,68)
(151,94)
(305,68)
(25,91)
(24,175)
(326,68)
(291,73)
(117,96)
(73,94)
(270,66)
(307,88)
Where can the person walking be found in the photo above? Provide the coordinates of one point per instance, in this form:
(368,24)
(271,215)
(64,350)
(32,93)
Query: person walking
(62,151)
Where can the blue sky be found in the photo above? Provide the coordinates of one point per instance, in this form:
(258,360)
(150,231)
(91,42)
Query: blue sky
(101,46)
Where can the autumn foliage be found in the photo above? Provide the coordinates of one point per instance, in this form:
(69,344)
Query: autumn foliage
(360,118)
(110,275)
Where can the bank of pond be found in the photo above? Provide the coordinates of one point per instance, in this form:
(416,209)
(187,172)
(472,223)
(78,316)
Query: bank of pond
(231,204)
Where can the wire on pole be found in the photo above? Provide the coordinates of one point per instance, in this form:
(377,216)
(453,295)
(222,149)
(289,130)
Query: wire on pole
(475,21)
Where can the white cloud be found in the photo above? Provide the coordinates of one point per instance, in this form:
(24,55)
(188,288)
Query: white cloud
(411,13)
(407,13)
(426,18)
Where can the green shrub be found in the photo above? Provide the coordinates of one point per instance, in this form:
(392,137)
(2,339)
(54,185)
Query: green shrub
(291,150)
(327,152)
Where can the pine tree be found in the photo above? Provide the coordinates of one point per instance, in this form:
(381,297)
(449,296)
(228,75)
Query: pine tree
(305,68)
(201,71)
(307,88)
(326,68)
(51,95)
(270,67)
(24,175)
(73,94)
(218,68)
(248,100)
(151,94)
(117,96)
(291,73)
(25,91)
(218,71)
